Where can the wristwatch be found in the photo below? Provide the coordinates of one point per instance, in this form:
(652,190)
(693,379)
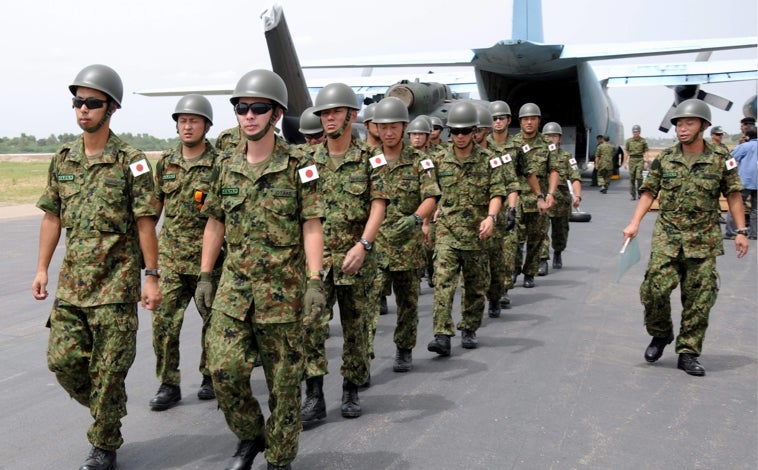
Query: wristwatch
(742,231)
(367,245)
(153,272)
(494,217)
(540,196)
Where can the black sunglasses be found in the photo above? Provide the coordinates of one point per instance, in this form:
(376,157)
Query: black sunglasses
(315,136)
(92,103)
(437,128)
(459,131)
(500,117)
(256,108)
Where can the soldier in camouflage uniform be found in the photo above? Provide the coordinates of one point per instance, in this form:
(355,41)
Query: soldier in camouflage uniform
(634,160)
(265,201)
(311,129)
(539,170)
(717,134)
(690,176)
(372,135)
(604,163)
(354,202)
(499,141)
(559,214)
(101,191)
(473,188)
(183,179)
(412,182)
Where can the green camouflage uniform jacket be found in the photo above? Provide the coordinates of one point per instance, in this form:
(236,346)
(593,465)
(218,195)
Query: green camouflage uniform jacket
(229,139)
(688,215)
(467,187)
(263,217)
(99,201)
(532,156)
(636,147)
(409,181)
(346,194)
(604,154)
(182,186)
(568,170)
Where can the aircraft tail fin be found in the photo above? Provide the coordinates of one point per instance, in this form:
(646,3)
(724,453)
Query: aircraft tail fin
(527,20)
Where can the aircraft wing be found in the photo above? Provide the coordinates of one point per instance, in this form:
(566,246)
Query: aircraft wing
(672,74)
(181,91)
(604,51)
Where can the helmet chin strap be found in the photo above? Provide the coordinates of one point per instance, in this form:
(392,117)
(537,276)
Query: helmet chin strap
(500,131)
(271,123)
(96,127)
(339,132)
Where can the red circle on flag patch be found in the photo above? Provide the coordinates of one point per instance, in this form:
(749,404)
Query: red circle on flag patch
(139,167)
(378,160)
(308,173)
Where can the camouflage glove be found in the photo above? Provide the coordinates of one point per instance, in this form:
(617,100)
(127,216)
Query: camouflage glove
(510,219)
(204,293)
(314,302)
(405,225)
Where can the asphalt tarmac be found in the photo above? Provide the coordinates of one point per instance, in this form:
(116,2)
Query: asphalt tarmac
(558,382)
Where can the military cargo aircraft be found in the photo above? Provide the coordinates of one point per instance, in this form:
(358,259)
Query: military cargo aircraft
(519,70)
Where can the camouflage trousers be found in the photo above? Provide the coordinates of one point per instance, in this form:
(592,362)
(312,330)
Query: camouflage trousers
(474,267)
(559,229)
(429,248)
(498,268)
(636,165)
(357,305)
(604,175)
(536,226)
(511,257)
(233,346)
(699,289)
(90,350)
(407,290)
(178,290)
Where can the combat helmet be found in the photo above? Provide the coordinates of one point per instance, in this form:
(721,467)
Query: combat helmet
(194,104)
(420,126)
(529,109)
(335,95)
(692,108)
(310,123)
(462,114)
(485,118)
(390,109)
(102,78)
(552,128)
(436,121)
(499,107)
(261,83)
(368,113)
(636,128)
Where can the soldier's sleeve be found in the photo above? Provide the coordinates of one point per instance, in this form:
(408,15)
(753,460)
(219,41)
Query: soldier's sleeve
(144,202)
(50,200)
(427,180)
(652,183)
(212,206)
(377,188)
(730,179)
(311,202)
(497,182)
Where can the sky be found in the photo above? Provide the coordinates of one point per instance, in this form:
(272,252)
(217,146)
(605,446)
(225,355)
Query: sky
(174,43)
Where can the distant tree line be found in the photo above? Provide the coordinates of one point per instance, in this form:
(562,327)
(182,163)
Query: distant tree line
(30,144)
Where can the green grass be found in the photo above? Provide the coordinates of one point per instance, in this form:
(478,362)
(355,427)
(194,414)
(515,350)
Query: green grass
(22,182)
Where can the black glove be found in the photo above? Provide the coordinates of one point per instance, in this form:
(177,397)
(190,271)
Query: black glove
(204,293)
(510,219)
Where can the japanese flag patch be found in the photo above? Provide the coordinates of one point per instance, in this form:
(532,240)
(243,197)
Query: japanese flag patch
(378,160)
(140,167)
(552,147)
(427,164)
(506,158)
(526,148)
(731,163)
(495,162)
(309,173)
(572,161)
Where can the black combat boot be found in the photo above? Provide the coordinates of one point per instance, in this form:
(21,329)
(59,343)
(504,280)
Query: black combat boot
(403,360)
(557,261)
(99,459)
(206,391)
(654,351)
(468,339)
(351,404)
(528,281)
(314,406)
(688,363)
(494,310)
(383,306)
(440,345)
(167,396)
(542,270)
(271,466)
(505,301)
(246,452)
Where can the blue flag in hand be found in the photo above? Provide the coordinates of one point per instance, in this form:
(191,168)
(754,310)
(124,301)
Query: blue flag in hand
(628,257)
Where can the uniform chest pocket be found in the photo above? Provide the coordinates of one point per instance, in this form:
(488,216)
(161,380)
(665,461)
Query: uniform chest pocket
(282,224)
(356,203)
(170,188)
(112,208)
(234,218)
(68,193)
(408,197)
(477,190)
(449,188)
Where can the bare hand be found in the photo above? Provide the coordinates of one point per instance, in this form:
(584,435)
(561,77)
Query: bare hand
(151,294)
(742,245)
(631,231)
(576,202)
(486,227)
(39,286)
(354,259)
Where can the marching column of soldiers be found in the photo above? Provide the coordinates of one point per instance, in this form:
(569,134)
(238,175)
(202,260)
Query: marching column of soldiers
(267,237)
